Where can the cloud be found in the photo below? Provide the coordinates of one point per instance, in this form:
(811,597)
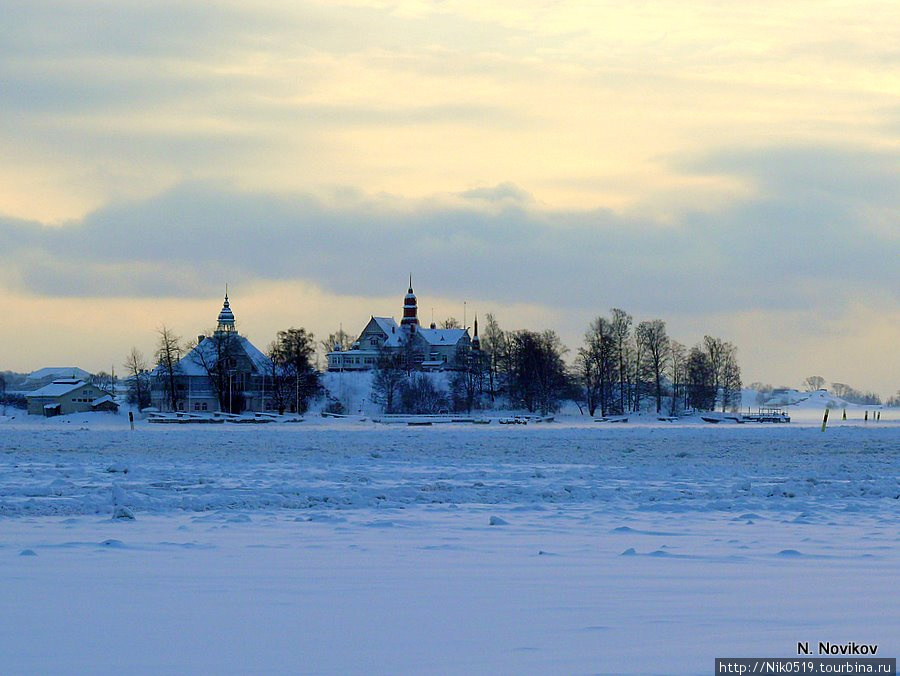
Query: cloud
(799,242)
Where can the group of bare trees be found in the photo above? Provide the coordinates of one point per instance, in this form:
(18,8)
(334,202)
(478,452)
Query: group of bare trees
(399,389)
(620,365)
(854,396)
(845,392)
(713,376)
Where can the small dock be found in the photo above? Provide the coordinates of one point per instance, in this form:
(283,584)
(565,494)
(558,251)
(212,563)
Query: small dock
(768,415)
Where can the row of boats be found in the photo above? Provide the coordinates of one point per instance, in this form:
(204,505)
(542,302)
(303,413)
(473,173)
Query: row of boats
(763,415)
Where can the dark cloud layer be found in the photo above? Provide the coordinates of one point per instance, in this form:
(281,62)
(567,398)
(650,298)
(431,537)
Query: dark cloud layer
(803,236)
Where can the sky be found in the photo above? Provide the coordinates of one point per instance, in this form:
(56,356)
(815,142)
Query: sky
(731,168)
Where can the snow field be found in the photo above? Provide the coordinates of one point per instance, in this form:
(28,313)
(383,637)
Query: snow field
(451,550)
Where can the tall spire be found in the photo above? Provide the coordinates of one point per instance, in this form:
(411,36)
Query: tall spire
(226,316)
(410,309)
(476,341)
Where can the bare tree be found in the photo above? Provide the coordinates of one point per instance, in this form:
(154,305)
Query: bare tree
(218,355)
(587,373)
(103,381)
(813,383)
(731,380)
(339,339)
(419,395)
(467,378)
(451,323)
(493,344)
(600,349)
(678,375)
(387,380)
(715,350)
(138,379)
(700,383)
(654,341)
(621,331)
(168,354)
(282,389)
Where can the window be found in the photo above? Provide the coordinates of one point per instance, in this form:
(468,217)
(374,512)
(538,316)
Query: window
(196,405)
(205,407)
(180,405)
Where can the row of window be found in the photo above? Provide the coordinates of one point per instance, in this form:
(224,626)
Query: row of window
(418,358)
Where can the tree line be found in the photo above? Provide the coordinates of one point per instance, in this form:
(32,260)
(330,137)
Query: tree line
(621,367)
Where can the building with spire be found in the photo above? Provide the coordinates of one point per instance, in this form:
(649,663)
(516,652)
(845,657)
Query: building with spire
(430,349)
(221,372)
(410,308)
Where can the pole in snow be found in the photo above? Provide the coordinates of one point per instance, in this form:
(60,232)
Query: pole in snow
(825,420)
(131,419)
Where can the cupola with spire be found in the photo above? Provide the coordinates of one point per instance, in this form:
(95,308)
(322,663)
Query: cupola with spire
(410,309)
(226,317)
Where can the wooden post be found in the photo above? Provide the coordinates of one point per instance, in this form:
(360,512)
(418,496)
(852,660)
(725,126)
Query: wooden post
(131,419)
(825,420)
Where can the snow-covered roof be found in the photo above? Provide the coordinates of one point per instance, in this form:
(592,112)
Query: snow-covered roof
(57,372)
(57,388)
(387,324)
(192,364)
(397,339)
(102,400)
(442,336)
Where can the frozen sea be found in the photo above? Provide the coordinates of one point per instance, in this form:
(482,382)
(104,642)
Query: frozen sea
(358,549)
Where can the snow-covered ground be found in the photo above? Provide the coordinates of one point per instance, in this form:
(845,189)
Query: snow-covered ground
(339,547)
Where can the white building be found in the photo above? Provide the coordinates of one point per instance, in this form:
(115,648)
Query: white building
(223,372)
(68,395)
(430,349)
